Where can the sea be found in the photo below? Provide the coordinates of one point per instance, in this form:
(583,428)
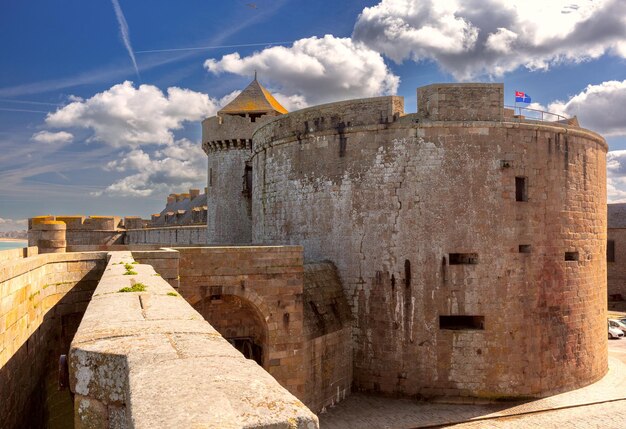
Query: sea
(5,245)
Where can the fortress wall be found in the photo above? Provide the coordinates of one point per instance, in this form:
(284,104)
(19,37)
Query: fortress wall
(328,335)
(461,102)
(333,118)
(391,208)
(617,269)
(12,254)
(168,236)
(270,281)
(78,237)
(228,207)
(164,261)
(42,301)
(133,349)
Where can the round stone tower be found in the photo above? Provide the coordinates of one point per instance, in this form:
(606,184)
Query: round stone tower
(227,141)
(471,242)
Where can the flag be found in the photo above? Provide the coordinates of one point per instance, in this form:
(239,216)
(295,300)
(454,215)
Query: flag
(521,97)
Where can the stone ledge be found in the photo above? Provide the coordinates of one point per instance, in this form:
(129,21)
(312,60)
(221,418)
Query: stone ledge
(153,360)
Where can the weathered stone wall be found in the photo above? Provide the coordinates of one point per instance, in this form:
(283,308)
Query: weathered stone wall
(42,300)
(328,335)
(617,270)
(168,236)
(13,254)
(389,202)
(228,207)
(461,102)
(269,279)
(146,359)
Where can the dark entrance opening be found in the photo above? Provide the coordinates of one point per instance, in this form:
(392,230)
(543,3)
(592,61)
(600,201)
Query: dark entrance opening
(248,348)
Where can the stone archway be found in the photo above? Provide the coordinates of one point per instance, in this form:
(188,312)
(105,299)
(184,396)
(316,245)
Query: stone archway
(239,322)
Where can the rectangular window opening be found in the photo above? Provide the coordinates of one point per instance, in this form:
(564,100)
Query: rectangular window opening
(610,251)
(521,189)
(524,248)
(571,256)
(463,258)
(459,323)
(210,177)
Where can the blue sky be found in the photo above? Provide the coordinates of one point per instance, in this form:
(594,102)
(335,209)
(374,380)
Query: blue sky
(84,131)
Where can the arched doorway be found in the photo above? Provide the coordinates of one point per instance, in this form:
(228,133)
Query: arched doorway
(239,322)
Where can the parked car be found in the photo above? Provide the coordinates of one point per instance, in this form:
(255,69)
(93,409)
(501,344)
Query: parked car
(614,323)
(614,332)
(623,320)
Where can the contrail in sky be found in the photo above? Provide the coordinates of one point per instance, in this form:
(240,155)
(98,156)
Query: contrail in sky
(215,47)
(124,31)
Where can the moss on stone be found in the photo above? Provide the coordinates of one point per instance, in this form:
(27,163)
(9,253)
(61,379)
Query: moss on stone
(137,287)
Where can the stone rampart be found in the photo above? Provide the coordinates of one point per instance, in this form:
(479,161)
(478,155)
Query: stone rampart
(461,102)
(42,301)
(146,359)
(13,254)
(308,124)
(441,230)
(168,236)
(328,336)
(267,282)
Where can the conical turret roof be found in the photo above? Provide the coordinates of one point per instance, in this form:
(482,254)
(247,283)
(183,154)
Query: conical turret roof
(254,99)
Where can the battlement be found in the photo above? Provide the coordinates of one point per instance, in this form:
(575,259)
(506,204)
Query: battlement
(229,132)
(83,223)
(461,102)
(335,117)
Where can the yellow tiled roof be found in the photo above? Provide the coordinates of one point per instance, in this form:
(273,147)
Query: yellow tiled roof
(253,99)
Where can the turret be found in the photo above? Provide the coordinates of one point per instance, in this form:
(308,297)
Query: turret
(227,141)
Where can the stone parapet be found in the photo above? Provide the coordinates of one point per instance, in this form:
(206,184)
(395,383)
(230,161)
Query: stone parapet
(333,117)
(42,298)
(146,359)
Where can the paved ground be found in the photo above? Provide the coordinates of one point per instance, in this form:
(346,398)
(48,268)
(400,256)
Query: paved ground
(601,405)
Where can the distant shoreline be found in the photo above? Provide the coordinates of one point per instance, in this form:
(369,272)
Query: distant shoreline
(13,239)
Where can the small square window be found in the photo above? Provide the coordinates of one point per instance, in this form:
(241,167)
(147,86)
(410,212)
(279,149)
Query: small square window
(571,256)
(524,248)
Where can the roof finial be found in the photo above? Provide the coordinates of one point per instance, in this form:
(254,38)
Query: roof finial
(255,74)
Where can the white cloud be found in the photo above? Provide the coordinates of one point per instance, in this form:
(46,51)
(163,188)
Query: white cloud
(597,107)
(616,176)
(50,137)
(177,166)
(469,38)
(127,116)
(315,70)
(13,224)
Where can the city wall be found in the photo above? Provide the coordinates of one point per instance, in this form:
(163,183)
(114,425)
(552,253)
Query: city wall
(442,224)
(146,359)
(43,298)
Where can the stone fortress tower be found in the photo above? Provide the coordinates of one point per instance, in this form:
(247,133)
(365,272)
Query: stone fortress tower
(470,241)
(227,141)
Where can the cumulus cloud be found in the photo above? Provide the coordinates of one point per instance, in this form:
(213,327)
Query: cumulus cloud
(597,107)
(50,137)
(315,70)
(127,116)
(177,166)
(469,38)
(616,176)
